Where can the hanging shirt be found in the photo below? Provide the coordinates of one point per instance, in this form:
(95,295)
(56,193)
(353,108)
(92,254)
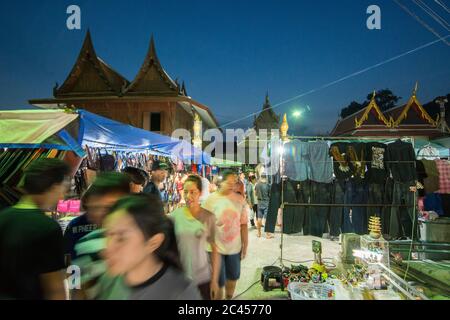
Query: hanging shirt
(400,159)
(431,181)
(338,151)
(376,166)
(444,176)
(321,165)
(356,153)
(428,153)
(296,160)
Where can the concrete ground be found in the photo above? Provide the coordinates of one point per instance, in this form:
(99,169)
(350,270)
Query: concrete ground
(264,252)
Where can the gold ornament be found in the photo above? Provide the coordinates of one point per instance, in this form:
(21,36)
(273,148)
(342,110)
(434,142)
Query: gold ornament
(375,227)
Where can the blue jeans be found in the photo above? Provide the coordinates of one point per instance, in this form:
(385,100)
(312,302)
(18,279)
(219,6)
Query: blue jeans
(337,213)
(355,193)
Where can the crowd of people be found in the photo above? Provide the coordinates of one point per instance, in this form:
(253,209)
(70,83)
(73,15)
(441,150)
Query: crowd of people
(127,244)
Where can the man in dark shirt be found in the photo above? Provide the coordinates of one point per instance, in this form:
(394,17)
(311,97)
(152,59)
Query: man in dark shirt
(97,200)
(138,179)
(159,174)
(262,190)
(31,244)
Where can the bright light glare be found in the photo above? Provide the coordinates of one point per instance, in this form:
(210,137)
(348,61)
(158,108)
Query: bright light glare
(297,114)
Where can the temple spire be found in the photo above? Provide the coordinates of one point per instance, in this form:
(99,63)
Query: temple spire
(416,87)
(267,101)
(151,78)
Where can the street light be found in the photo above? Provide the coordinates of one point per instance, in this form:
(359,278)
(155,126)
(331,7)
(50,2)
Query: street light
(297,114)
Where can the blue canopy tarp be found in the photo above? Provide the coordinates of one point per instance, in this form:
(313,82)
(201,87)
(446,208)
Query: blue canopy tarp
(98,131)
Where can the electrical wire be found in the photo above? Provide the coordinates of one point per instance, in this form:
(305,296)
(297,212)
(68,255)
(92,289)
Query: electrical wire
(432,14)
(354,74)
(251,286)
(423,23)
(442,5)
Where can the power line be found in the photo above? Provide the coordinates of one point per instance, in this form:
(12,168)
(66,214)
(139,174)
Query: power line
(425,25)
(442,5)
(344,78)
(432,14)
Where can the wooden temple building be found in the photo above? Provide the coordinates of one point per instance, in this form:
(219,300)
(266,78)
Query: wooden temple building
(267,119)
(152,100)
(411,120)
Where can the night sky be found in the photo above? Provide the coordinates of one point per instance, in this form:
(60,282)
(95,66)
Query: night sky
(230,52)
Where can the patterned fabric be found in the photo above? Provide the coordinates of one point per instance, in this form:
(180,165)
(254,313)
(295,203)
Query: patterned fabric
(444,176)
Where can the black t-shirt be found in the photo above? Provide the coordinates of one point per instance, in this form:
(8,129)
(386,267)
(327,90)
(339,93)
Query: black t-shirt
(31,244)
(151,188)
(376,165)
(341,166)
(356,153)
(401,160)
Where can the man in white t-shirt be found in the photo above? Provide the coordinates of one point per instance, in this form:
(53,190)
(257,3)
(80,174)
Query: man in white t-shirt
(231,213)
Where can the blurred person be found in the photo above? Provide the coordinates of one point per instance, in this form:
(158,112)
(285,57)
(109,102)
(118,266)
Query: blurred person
(262,191)
(244,180)
(205,189)
(138,179)
(231,212)
(142,249)
(195,229)
(251,199)
(104,192)
(31,244)
(159,173)
(213,186)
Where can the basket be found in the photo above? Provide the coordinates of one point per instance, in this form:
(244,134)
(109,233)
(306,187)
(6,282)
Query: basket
(311,291)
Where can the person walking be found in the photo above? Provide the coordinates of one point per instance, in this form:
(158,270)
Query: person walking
(195,229)
(231,211)
(262,190)
(252,200)
(31,244)
(142,250)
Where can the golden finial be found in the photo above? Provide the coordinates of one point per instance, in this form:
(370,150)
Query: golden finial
(374,95)
(284,128)
(375,227)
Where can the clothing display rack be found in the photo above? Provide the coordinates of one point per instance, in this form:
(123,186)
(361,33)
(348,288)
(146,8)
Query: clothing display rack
(284,179)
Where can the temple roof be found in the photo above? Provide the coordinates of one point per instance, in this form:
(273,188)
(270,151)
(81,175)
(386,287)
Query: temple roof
(377,115)
(405,117)
(90,75)
(152,79)
(267,119)
(412,113)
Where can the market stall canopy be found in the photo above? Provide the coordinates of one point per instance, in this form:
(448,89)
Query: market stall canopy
(98,131)
(38,128)
(223,163)
(70,130)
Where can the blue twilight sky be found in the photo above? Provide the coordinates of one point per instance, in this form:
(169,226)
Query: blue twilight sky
(230,52)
